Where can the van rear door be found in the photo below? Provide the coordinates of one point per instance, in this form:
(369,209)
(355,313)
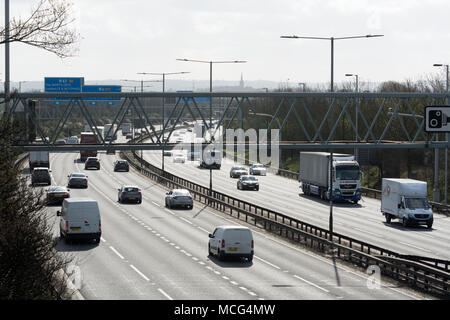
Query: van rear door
(84,218)
(237,241)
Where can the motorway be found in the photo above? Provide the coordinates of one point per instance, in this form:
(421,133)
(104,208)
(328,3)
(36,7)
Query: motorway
(150,252)
(363,221)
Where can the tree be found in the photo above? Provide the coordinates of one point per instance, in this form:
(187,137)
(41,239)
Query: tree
(48,27)
(29,263)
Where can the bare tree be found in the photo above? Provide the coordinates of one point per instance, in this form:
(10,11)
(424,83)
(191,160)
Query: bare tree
(48,27)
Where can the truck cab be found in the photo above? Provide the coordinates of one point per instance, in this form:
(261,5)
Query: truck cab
(346,180)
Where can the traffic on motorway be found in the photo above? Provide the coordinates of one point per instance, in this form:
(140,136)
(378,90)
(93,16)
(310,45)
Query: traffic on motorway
(133,239)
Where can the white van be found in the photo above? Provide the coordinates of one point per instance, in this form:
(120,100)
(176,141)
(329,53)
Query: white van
(80,219)
(236,241)
(406,200)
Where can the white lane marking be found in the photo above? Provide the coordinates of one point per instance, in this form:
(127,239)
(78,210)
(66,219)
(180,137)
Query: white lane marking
(314,256)
(415,247)
(252,293)
(165,294)
(234,282)
(156,204)
(243,288)
(310,283)
(116,252)
(284,244)
(102,239)
(203,229)
(267,262)
(140,273)
(185,220)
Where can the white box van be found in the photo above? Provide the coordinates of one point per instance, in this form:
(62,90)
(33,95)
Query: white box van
(406,200)
(236,241)
(80,219)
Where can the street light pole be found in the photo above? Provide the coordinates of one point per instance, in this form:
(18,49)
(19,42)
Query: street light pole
(163,74)
(211,138)
(356,111)
(446,138)
(332,39)
(7,79)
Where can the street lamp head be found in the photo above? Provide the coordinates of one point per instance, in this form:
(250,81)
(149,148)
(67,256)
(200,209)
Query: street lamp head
(437,65)
(349,74)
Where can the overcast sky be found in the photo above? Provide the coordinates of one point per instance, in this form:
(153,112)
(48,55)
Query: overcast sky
(122,38)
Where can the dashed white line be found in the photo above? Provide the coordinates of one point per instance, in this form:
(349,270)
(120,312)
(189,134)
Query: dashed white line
(185,220)
(165,294)
(116,252)
(203,229)
(140,273)
(267,262)
(413,246)
(156,204)
(312,284)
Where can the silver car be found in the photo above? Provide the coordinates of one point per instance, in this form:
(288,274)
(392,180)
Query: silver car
(179,198)
(258,169)
(77,179)
(237,171)
(179,158)
(129,193)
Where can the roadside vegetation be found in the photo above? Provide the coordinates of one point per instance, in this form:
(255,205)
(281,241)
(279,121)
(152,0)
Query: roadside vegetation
(29,263)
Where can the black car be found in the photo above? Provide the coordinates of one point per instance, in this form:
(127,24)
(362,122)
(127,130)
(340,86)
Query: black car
(41,175)
(121,165)
(92,162)
(57,194)
(247,182)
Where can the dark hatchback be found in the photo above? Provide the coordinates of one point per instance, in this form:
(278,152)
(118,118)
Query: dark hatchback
(121,165)
(92,162)
(41,175)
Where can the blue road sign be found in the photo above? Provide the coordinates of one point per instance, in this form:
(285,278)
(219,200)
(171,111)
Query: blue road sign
(55,84)
(102,89)
(197,99)
(63,85)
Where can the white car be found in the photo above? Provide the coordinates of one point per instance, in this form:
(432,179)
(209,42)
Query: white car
(258,169)
(235,241)
(72,140)
(179,158)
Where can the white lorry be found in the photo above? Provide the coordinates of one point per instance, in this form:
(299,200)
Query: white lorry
(211,158)
(199,129)
(314,175)
(406,200)
(126,128)
(108,132)
(38,158)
